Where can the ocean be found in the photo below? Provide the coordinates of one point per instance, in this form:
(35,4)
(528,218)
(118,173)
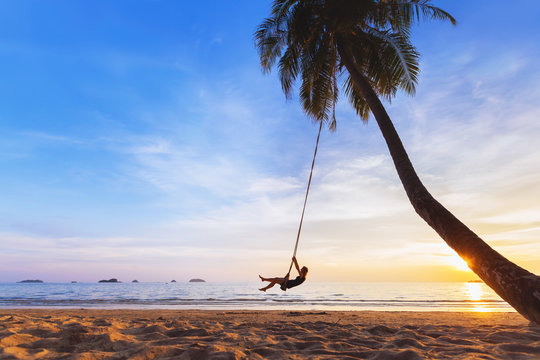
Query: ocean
(470,296)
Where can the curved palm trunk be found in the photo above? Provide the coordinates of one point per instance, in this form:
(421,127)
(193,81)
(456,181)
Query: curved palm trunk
(517,286)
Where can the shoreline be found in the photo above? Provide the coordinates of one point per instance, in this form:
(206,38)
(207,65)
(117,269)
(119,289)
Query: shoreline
(253,334)
(382,309)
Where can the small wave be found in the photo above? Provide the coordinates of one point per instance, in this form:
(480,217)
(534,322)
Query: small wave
(236,296)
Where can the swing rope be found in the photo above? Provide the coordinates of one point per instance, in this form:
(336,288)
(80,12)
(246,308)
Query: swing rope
(305,199)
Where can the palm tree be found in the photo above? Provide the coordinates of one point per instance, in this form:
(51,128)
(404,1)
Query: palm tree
(364,45)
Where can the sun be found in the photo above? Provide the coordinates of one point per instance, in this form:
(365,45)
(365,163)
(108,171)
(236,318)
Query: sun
(458,263)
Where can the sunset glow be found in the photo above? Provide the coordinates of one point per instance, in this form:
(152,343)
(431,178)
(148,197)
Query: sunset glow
(459,263)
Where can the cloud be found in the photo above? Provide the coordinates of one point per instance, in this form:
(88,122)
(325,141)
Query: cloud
(171,167)
(43,137)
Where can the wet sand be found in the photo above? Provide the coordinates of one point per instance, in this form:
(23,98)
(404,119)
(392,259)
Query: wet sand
(201,334)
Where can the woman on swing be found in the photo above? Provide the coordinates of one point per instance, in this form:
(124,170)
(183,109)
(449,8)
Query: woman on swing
(284,281)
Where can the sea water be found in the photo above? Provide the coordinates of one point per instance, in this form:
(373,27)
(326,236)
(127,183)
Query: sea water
(470,296)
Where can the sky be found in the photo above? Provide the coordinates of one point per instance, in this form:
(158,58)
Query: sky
(141,140)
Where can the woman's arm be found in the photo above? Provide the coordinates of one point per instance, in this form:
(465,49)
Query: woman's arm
(296,265)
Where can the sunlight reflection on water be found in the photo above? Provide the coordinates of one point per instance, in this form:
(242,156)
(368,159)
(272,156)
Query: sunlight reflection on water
(475,293)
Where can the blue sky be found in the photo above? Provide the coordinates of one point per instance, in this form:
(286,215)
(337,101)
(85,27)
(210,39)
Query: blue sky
(139,139)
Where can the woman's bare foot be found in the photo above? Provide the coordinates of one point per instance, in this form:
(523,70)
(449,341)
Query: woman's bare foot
(263,289)
(262,279)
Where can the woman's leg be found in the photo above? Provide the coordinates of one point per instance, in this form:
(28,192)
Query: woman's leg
(275,279)
(272,283)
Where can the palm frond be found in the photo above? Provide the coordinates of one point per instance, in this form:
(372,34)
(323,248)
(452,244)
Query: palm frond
(288,69)
(401,14)
(402,57)
(317,78)
(269,40)
(280,8)
(357,101)
(368,54)
(335,89)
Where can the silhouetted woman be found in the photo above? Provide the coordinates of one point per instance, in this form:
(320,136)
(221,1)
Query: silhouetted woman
(284,282)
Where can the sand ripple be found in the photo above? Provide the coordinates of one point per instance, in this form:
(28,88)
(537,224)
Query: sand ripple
(166,334)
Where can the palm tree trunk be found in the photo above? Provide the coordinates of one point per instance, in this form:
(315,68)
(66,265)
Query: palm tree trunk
(517,286)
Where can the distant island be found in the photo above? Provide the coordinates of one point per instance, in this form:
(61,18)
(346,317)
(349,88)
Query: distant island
(113,280)
(197,280)
(135,281)
(29,281)
(173,281)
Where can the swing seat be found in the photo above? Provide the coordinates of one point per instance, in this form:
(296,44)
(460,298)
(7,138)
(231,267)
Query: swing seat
(284,283)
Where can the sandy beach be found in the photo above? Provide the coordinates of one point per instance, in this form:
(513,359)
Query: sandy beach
(195,334)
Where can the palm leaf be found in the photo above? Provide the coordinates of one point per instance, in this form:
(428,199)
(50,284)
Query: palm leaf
(402,57)
(288,70)
(401,14)
(269,40)
(357,101)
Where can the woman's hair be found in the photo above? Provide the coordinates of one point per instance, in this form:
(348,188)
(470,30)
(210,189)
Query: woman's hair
(304,270)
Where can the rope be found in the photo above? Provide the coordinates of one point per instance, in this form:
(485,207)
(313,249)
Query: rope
(305,199)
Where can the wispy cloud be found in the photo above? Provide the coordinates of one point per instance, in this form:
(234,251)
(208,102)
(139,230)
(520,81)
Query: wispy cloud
(45,137)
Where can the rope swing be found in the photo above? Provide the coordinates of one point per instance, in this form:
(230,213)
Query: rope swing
(305,199)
